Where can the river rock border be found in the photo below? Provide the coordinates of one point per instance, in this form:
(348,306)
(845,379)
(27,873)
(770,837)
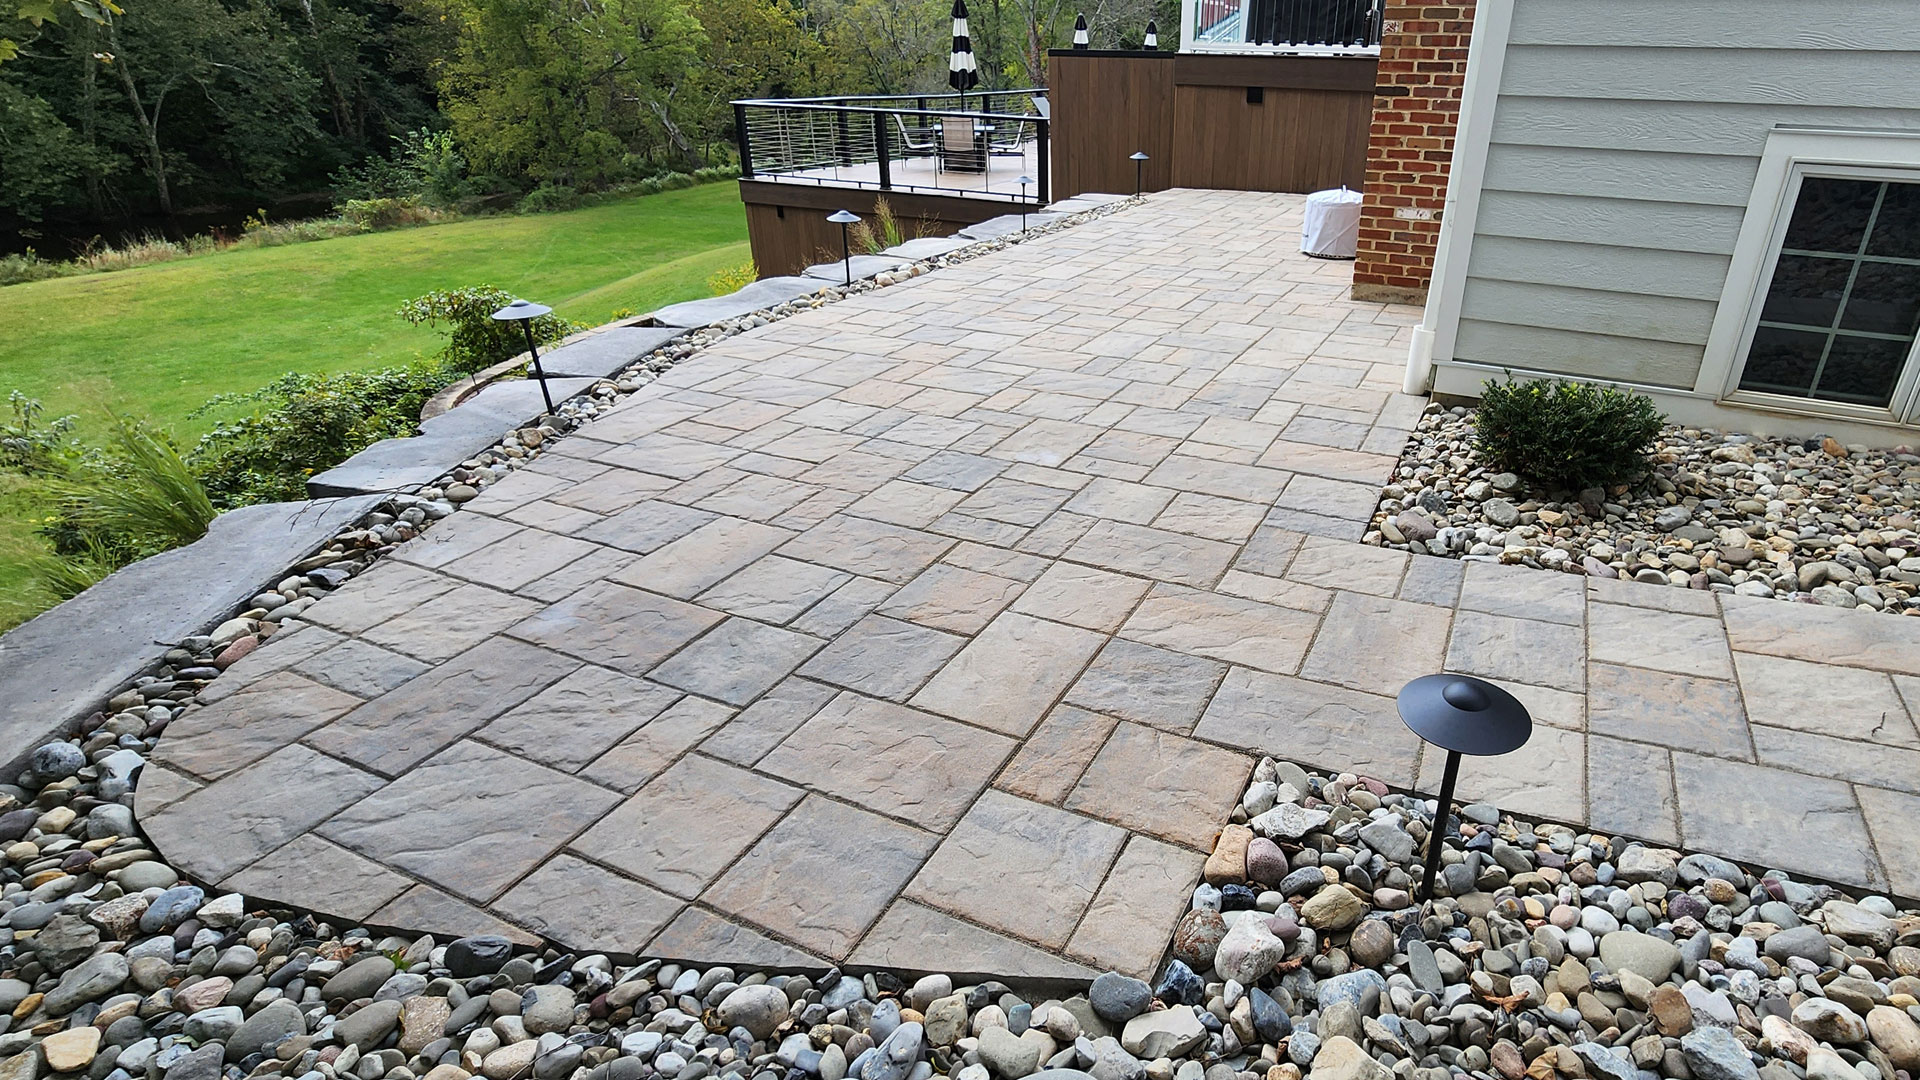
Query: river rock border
(1809,520)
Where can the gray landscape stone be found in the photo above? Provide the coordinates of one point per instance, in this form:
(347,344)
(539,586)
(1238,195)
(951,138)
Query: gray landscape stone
(927,247)
(605,353)
(1007,225)
(61,665)
(760,294)
(863,266)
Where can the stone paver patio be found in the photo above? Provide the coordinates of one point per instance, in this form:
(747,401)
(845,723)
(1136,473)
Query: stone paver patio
(937,629)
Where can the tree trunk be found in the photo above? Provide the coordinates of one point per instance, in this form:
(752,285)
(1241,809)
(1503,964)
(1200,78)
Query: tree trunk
(677,138)
(89,102)
(344,124)
(149,123)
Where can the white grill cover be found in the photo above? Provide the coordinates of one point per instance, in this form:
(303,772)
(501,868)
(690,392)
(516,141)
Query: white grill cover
(1331,229)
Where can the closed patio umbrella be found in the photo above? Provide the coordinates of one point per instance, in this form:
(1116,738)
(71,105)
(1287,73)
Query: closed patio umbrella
(1080,32)
(963,74)
(1153,35)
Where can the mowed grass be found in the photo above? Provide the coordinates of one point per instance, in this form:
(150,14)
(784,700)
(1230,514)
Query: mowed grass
(158,341)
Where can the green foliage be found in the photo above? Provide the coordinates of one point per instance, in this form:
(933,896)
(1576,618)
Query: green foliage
(475,340)
(733,278)
(301,424)
(1565,436)
(132,498)
(427,169)
(29,266)
(548,199)
(371,214)
(31,446)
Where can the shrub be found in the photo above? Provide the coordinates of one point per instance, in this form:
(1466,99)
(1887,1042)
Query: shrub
(29,266)
(133,498)
(475,341)
(733,278)
(372,214)
(1566,435)
(301,424)
(34,447)
(548,198)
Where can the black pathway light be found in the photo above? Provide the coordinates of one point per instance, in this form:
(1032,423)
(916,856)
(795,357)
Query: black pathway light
(1461,715)
(1024,181)
(524,312)
(844,219)
(1139,159)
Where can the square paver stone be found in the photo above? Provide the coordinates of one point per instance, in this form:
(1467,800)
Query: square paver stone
(387,590)
(883,657)
(1630,790)
(796,881)
(247,726)
(1009,675)
(1808,824)
(868,548)
(1020,867)
(736,661)
(915,937)
(1149,685)
(774,589)
(1156,782)
(578,718)
(1153,553)
(215,831)
(1511,590)
(1137,908)
(449,624)
(515,560)
(617,627)
(647,752)
(646,526)
(1222,627)
(700,936)
(308,869)
(1822,634)
(361,669)
(688,566)
(471,820)
(687,824)
(1825,699)
(1335,564)
(586,907)
(405,726)
(427,909)
(1378,645)
(1053,757)
(1312,723)
(760,727)
(952,598)
(899,761)
(1893,817)
(1518,650)
(1545,778)
(1676,711)
(1082,596)
(1662,640)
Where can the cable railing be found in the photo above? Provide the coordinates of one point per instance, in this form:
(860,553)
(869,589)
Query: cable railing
(1304,26)
(978,144)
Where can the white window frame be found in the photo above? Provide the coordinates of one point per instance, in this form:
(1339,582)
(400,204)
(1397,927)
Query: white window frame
(1791,155)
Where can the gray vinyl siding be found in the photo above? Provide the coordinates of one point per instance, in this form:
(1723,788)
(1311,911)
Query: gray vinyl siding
(1625,142)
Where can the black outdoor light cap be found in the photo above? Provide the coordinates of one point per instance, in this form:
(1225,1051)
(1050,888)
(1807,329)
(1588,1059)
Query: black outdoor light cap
(521,309)
(1139,155)
(843,217)
(1465,715)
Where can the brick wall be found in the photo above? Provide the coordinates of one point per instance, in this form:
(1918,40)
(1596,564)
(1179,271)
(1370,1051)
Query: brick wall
(1416,105)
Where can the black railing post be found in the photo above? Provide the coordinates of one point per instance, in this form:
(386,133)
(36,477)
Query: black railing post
(1046,174)
(740,136)
(880,151)
(842,150)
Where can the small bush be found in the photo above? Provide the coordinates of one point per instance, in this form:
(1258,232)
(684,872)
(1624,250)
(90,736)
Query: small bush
(301,424)
(548,198)
(31,446)
(733,278)
(372,214)
(475,341)
(1565,436)
(133,498)
(29,266)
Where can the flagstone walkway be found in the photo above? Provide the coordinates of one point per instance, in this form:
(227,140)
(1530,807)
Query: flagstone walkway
(938,629)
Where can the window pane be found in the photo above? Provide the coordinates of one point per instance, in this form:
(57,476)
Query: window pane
(1896,232)
(1782,361)
(1862,370)
(1885,299)
(1806,290)
(1831,214)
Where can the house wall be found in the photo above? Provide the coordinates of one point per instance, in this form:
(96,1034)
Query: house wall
(1624,141)
(1416,108)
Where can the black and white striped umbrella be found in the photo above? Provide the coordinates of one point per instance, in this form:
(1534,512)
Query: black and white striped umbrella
(1153,35)
(1080,31)
(962,73)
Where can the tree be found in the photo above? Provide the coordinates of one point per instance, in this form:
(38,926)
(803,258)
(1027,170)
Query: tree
(41,158)
(31,17)
(888,46)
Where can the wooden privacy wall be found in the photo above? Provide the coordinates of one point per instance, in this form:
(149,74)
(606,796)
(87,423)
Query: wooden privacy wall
(789,231)
(1249,123)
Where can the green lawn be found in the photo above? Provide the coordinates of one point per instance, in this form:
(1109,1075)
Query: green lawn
(159,340)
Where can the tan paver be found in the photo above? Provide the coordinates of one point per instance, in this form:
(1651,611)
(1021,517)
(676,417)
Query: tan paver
(989,584)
